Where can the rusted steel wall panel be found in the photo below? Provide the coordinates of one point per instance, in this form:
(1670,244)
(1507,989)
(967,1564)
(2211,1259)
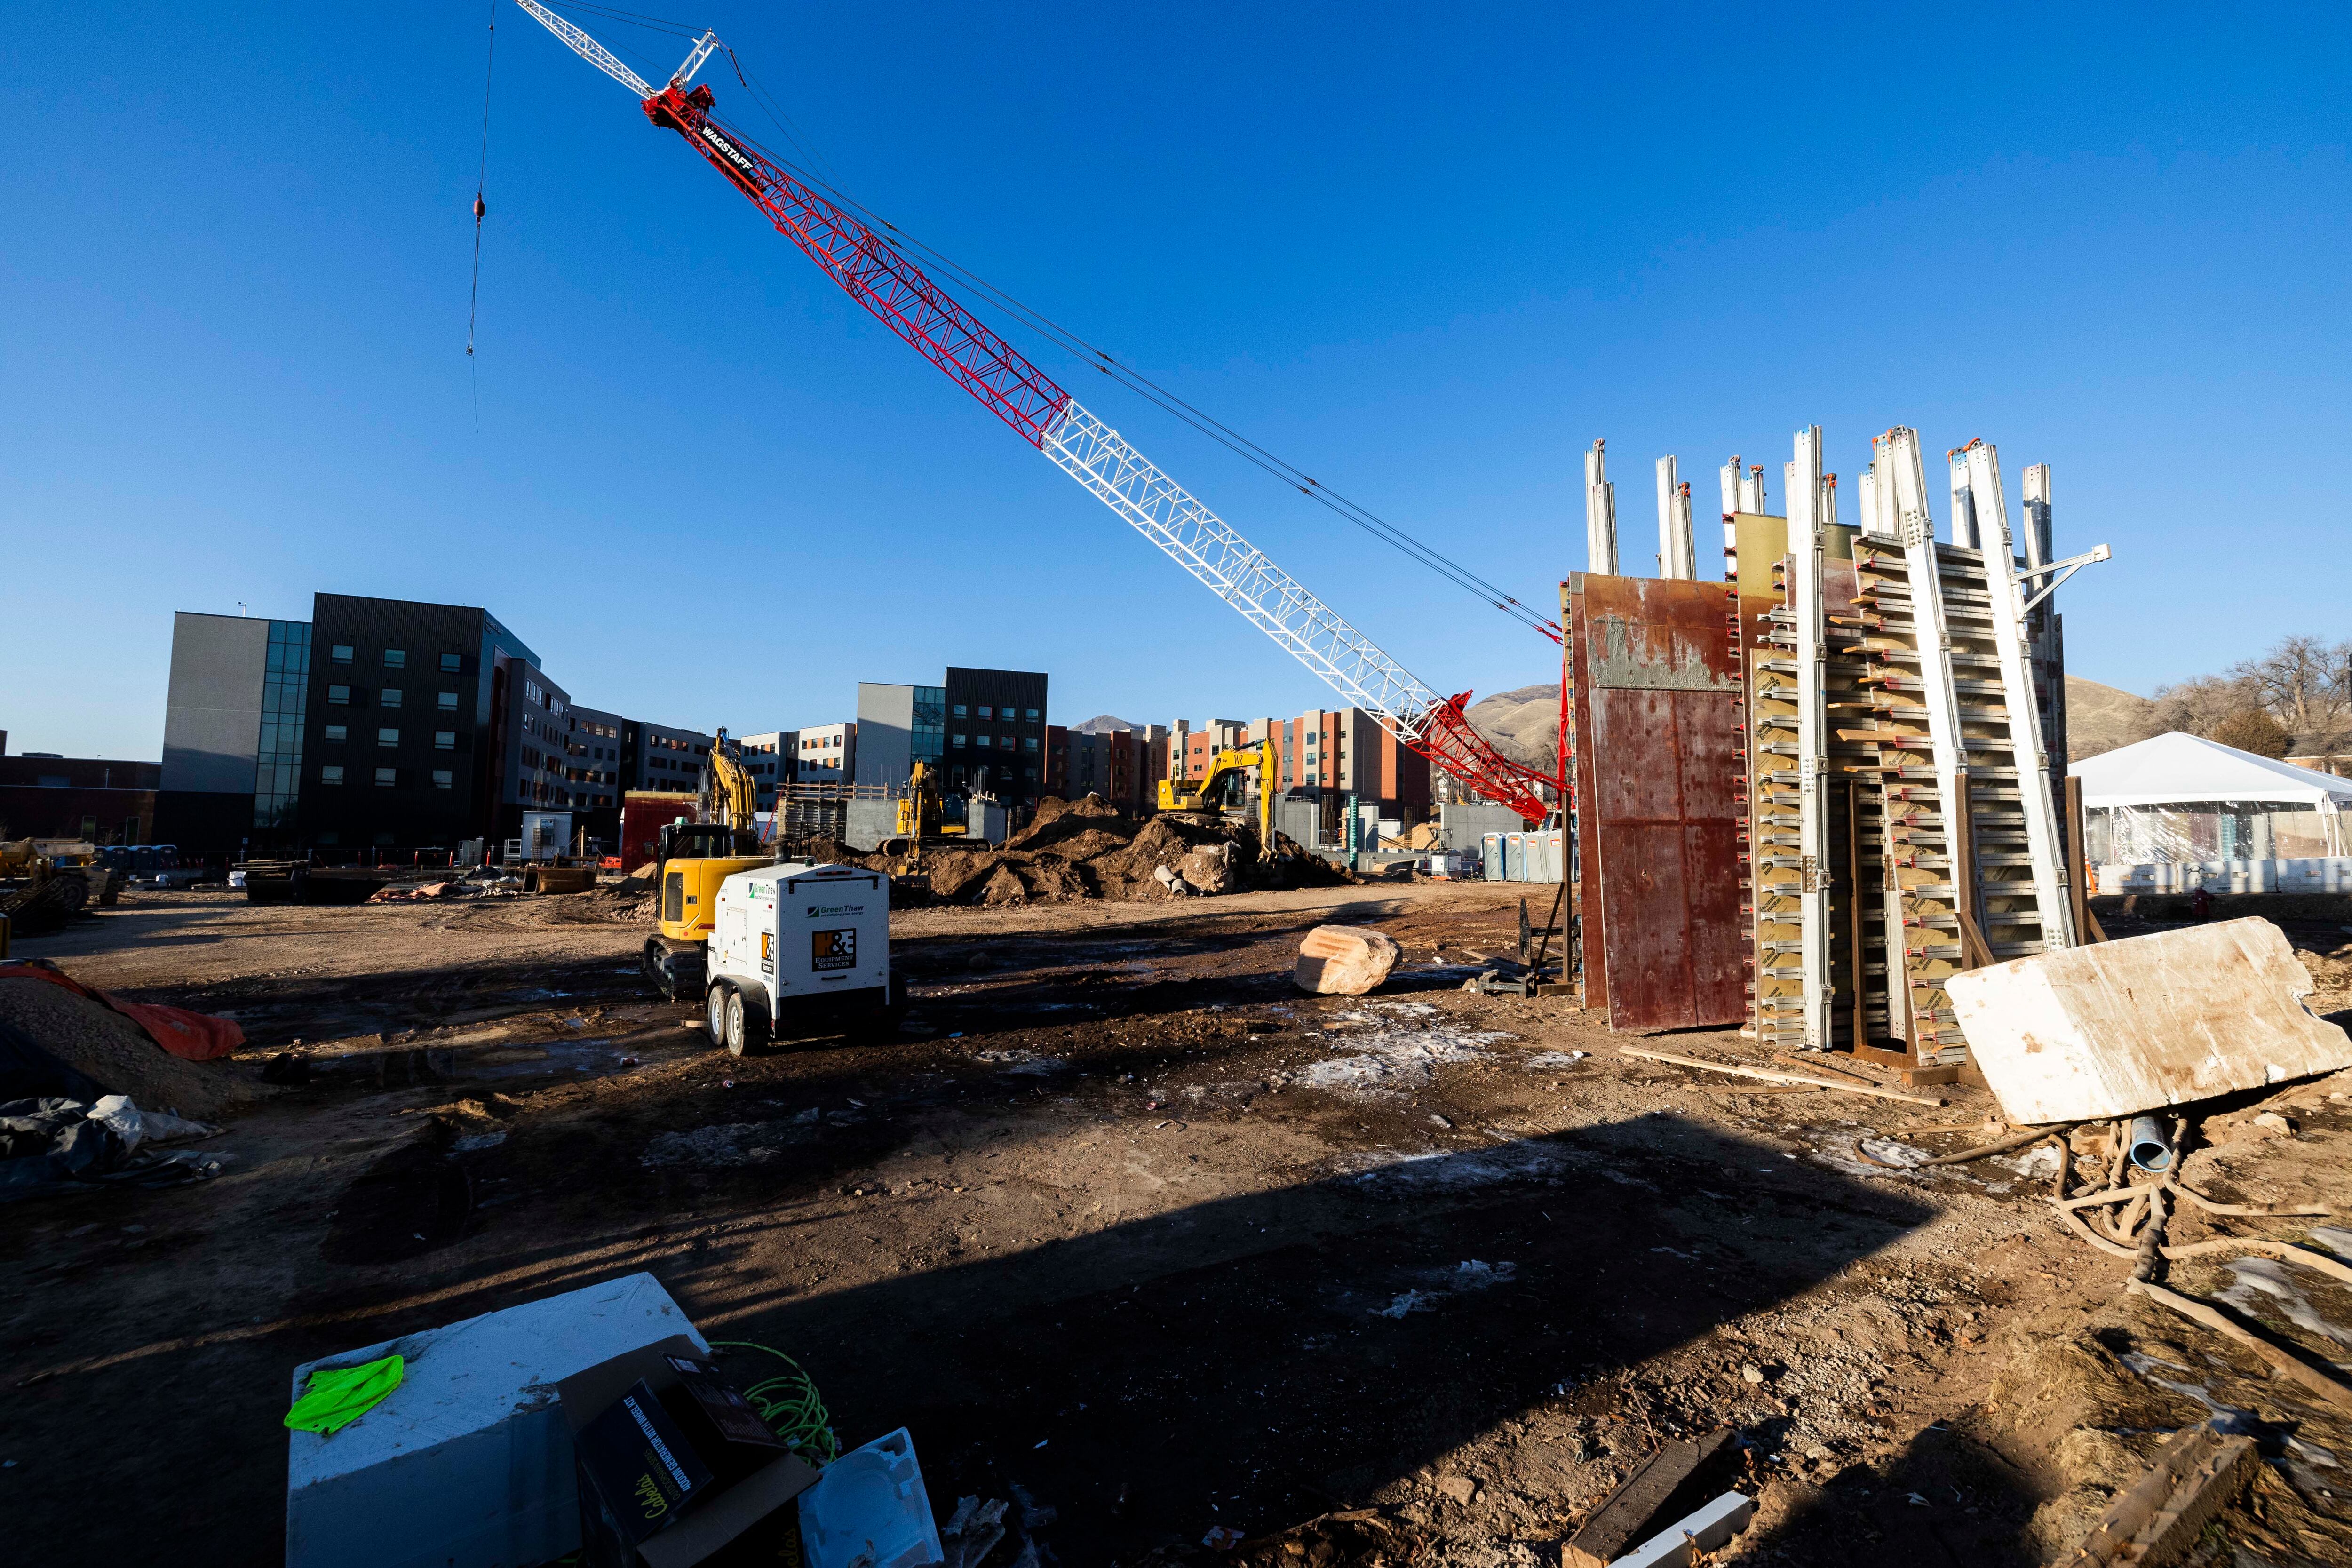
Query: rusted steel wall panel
(1659,703)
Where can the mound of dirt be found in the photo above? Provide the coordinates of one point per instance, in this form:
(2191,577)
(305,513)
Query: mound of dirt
(1087,849)
(96,1040)
(1058,821)
(834,852)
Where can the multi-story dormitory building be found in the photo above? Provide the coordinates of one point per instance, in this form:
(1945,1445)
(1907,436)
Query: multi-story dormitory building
(390,724)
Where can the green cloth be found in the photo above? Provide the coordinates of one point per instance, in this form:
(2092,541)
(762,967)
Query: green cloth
(340,1395)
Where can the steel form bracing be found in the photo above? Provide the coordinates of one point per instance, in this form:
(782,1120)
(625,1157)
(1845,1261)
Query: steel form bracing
(1971,842)
(1600,513)
(899,294)
(1804,817)
(1933,813)
(2013,640)
(1807,547)
(1677,554)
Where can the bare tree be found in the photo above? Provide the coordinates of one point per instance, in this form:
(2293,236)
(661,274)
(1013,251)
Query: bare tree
(2198,707)
(2304,683)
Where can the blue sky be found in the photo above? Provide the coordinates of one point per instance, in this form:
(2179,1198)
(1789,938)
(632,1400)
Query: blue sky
(1428,255)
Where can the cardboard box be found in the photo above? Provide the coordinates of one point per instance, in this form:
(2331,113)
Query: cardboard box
(669,1477)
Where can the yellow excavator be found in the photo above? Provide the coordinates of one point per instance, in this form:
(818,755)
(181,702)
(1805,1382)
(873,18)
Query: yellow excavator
(1221,791)
(919,818)
(692,860)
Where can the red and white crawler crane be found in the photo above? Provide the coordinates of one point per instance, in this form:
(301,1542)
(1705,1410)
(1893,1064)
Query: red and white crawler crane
(878,275)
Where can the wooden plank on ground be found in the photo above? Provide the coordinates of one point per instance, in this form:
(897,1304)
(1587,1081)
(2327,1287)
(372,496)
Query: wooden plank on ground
(1663,1488)
(2157,1520)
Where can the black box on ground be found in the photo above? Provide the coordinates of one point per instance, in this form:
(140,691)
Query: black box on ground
(674,1468)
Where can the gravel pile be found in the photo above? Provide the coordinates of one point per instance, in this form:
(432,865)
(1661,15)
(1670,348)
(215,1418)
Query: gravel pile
(110,1048)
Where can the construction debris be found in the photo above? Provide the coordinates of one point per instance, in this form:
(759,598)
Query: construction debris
(1088,850)
(1343,960)
(2119,1027)
(1679,1544)
(2284,1363)
(1672,1481)
(869,1510)
(2197,1475)
(1772,1077)
(50,1145)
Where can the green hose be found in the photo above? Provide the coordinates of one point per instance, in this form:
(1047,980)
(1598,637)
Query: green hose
(791,1406)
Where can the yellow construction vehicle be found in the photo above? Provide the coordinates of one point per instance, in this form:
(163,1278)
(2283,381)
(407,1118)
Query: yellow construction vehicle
(44,883)
(694,858)
(1221,791)
(920,813)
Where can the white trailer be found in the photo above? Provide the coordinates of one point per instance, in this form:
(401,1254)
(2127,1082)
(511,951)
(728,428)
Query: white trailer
(795,944)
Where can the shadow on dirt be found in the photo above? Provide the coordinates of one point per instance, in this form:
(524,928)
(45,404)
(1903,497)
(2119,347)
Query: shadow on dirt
(1289,1351)
(1945,1499)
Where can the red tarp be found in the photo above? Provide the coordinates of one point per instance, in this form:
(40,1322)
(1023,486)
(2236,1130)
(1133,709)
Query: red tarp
(192,1037)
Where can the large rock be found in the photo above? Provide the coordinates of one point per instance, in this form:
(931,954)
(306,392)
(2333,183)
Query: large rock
(1343,960)
(1213,868)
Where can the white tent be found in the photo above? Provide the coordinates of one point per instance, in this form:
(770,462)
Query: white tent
(2177,798)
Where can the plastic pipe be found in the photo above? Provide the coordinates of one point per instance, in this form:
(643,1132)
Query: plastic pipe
(2151,1151)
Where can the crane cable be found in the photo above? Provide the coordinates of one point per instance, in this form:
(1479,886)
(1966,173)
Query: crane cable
(481,178)
(1051,332)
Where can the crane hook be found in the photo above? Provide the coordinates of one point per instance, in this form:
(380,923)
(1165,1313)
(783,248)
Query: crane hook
(479,209)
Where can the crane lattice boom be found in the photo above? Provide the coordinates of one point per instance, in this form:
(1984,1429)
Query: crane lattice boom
(880,277)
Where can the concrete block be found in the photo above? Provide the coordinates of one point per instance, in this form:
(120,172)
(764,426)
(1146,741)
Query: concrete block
(2116,1028)
(468,1463)
(869,823)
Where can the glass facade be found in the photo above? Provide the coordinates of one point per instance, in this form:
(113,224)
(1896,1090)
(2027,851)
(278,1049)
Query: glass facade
(278,781)
(929,733)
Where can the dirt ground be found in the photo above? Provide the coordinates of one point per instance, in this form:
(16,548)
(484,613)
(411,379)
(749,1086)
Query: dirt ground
(1124,1221)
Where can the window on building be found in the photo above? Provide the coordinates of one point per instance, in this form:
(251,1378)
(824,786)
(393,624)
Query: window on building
(392,697)
(338,732)
(959,740)
(340,696)
(387,737)
(985,741)
(332,773)
(445,739)
(395,658)
(1030,714)
(960,711)
(1031,743)
(444,778)
(453,664)
(447,701)
(986,712)
(1029,773)
(341,653)
(386,777)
